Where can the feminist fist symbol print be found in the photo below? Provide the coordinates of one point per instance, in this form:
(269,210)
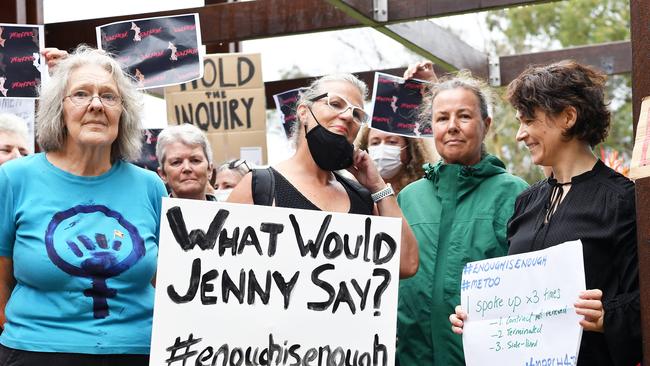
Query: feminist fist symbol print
(77,243)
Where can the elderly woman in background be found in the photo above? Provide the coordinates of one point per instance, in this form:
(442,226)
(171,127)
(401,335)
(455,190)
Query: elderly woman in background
(399,159)
(228,175)
(13,137)
(330,115)
(459,213)
(563,114)
(185,159)
(79,226)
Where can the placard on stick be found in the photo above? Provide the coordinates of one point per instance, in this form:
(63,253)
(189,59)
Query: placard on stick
(285,103)
(396,102)
(228,100)
(520,307)
(21,69)
(249,284)
(157,51)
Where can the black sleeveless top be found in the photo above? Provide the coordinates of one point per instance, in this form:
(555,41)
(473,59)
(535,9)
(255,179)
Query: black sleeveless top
(286,195)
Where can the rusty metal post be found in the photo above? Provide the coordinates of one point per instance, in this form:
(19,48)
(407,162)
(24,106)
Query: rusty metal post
(640,31)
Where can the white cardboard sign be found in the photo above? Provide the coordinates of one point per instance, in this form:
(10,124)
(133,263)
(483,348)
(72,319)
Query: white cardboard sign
(248,283)
(520,307)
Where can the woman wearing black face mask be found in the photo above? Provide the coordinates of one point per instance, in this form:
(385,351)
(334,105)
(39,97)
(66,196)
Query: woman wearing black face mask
(330,114)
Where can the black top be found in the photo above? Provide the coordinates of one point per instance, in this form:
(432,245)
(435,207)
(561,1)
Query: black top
(599,209)
(286,195)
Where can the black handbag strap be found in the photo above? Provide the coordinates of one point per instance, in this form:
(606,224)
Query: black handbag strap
(263,187)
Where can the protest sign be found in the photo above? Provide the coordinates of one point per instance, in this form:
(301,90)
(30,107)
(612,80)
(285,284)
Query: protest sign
(156,51)
(21,69)
(520,307)
(285,103)
(395,105)
(267,285)
(640,165)
(23,108)
(228,104)
(147,159)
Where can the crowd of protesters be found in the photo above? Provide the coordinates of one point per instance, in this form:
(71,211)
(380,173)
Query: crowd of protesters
(463,207)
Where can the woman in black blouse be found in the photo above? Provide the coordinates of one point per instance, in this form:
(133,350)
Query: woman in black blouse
(563,114)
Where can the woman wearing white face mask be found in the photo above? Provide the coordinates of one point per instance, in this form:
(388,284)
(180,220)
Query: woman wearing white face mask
(399,159)
(228,175)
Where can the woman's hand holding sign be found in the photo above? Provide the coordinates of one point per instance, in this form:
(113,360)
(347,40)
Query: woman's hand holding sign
(590,306)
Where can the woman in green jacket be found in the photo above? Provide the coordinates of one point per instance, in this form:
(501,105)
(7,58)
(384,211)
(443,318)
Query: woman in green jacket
(458,213)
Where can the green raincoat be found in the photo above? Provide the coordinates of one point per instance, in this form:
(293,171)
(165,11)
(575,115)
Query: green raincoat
(458,214)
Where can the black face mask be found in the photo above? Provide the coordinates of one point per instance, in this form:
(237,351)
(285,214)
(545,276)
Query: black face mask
(330,150)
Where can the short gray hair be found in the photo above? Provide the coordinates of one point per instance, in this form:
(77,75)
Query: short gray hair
(51,130)
(187,134)
(14,124)
(316,88)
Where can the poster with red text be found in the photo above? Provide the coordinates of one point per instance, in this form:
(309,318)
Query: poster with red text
(286,103)
(21,69)
(396,104)
(156,51)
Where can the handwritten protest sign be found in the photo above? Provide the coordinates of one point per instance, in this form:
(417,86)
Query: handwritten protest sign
(520,308)
(640,165)
(23,108)
(244,285)
(228,104)
(285,103)
(395,106)
(21,69)
(156,51)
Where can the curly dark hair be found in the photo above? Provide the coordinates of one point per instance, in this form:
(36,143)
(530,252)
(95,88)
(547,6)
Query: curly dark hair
(553,88)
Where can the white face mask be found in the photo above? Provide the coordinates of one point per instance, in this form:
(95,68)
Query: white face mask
(387,159)
(222,194)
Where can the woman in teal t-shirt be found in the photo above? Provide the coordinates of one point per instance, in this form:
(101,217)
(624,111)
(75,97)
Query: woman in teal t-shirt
(79,226)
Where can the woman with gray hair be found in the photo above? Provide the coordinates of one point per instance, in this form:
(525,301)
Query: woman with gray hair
(79,226)
(330,114)
(459,213)
(13,137)
(185,159)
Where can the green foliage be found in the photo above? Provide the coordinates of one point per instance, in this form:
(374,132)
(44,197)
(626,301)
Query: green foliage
(551,26)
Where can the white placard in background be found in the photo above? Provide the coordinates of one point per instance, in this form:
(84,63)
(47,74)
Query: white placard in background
(520,307)
(305,305)
(23,108)
(252,155)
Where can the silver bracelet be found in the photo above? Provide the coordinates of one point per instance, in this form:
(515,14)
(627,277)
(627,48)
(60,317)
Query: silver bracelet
(380,195)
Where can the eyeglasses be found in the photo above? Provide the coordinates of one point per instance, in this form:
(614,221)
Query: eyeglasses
(340,105)
(82,98)
(235,164)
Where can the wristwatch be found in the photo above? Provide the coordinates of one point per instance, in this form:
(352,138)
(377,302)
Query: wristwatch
(380,195)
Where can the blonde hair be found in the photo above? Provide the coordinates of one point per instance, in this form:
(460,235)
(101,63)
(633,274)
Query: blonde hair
(316,88)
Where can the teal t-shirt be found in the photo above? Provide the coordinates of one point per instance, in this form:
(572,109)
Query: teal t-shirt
(84,252)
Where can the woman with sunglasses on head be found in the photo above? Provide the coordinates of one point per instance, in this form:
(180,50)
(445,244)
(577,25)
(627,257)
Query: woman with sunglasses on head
(330,115)
(399,159)
(227,176)
(563,114)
